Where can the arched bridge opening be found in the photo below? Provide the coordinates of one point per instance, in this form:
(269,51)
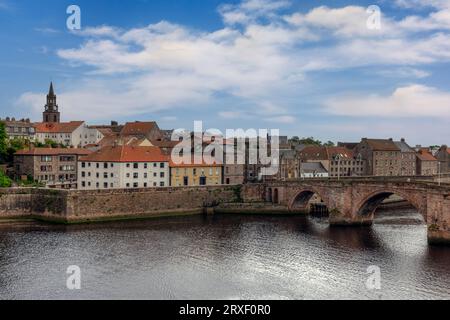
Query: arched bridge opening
(384,204)
(309,201)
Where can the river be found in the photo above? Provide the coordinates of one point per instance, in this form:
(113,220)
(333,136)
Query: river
(224,257)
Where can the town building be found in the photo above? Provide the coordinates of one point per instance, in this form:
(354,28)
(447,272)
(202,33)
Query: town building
(124,167)
(289,165)
(313,170)
(443,156)
(382,157)
(56,168)
(148,130)
(427,165)
(337,161)
(408,159)
(19,129)
(70,134)
(203,174)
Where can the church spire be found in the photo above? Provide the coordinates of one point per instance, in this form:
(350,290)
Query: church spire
(51,92)
(51,113)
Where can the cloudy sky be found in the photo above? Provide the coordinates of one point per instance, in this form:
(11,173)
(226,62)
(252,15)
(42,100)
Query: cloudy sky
(309,68)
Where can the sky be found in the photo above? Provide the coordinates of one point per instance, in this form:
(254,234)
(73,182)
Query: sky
(309,68)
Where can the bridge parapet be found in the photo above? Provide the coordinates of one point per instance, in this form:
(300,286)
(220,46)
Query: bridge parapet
(354,201)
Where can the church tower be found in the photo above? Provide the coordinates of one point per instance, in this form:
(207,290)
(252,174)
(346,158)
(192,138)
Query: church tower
(51,113)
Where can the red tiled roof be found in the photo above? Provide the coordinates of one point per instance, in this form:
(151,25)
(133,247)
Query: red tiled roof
(425,156)
(127,154)
(64,127)
(138,128)
(52,151)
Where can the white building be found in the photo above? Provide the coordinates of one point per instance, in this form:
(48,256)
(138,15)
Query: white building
(71,134)
(124,167)
(311,170)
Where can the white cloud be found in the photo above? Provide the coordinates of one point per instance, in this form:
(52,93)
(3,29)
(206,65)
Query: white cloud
(411,101)
(262,60)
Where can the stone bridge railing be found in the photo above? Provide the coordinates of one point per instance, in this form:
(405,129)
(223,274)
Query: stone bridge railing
(354,201)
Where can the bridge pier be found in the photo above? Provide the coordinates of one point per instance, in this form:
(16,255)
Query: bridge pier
(355,202)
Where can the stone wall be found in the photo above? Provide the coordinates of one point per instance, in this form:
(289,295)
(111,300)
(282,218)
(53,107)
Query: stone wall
(84,206)
(28,202)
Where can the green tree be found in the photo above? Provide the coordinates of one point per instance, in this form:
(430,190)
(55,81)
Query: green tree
(311,142)
(5,181)
(329,144)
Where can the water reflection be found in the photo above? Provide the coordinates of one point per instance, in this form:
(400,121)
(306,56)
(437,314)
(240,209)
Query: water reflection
(223,257)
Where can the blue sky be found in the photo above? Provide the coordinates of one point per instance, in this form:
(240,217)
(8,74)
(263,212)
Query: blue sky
(309,68)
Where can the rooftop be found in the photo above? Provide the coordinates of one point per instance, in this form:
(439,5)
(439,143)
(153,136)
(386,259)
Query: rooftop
(63,127)
(138,128)
(127,154)
(382,144)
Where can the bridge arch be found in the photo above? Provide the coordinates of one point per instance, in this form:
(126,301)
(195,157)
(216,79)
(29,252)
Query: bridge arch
(302,198)
(370,203)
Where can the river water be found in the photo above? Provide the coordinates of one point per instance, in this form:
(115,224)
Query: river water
(224,257)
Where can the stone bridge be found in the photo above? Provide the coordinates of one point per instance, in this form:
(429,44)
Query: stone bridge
(354,202)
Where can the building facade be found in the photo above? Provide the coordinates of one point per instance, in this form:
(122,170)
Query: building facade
(408,159)
(443,156)
(19,129)
(382,157)
(337,161)
(427,165)
(124,167)
(56,168)
(195,174)
(70,134)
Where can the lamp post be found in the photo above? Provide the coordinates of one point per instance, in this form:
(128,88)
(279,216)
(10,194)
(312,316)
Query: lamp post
(439,173)
(338,159)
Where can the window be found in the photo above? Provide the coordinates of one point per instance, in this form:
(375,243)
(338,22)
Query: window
(105,165)
(83,164)
(162,165)
(112,175)
(195,172)
(128,175)
(155,165)
(128,185)
(161,184)
(145,184)
(97,185)
(135,175)
(162,175)
(135,185)
(98,165)
(136,165)
(46,159)
(97,175)
(145,175)
(145,165)
(83,174)
(105,175)
(105,185)
(155,174)
(83,184)
(128,165)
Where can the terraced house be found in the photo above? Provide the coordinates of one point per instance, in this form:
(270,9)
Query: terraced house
(124,167)
(56,168)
